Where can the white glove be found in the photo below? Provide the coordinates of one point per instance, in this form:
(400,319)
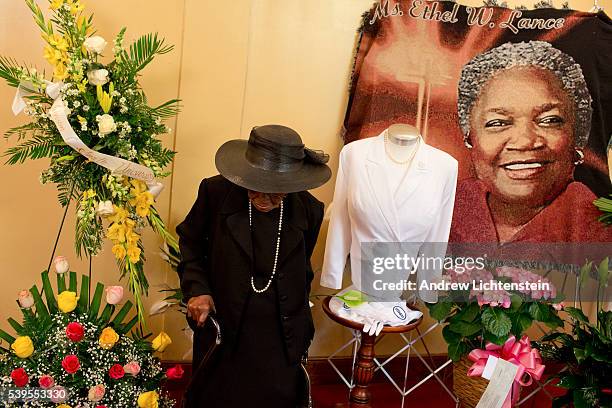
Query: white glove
(375,315)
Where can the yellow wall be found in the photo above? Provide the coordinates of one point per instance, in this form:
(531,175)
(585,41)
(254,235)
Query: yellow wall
(236,64)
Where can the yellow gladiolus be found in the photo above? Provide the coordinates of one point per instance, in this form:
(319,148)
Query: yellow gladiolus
(132,237)
(149,399)
(108,338)
(67,301)
(133,252)
(52,55)
(161,342)
(75,6)
(119,251)
(60,72)
(56,4)
(57,41)
(139,187)
(119,215)
(23,347)
(116,232)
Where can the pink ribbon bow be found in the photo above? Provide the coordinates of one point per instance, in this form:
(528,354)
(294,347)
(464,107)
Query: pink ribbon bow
(520,353)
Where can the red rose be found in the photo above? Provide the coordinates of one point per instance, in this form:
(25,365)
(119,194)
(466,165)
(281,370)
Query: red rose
(19,377)
(116,372)
(75,331)
(175,373)
(71,364)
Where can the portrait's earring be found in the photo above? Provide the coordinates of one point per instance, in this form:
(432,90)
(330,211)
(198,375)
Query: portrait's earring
(466,140)
(580,157)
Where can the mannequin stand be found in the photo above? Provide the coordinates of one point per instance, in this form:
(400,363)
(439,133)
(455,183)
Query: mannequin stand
(366,363)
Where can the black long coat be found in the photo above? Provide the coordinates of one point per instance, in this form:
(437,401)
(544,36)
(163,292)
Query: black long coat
(217,259)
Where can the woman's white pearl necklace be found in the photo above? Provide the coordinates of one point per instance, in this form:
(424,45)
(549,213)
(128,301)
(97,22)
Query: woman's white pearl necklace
(280,226)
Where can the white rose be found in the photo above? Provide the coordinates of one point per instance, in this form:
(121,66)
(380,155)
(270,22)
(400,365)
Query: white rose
(95,44)
(97,76)
(25,298)
(61,264)
(106,124)
(105,208)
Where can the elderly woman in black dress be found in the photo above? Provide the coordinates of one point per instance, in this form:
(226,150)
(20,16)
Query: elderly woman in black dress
(246,247)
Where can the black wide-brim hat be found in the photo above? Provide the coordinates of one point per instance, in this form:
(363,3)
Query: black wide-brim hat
(273,160)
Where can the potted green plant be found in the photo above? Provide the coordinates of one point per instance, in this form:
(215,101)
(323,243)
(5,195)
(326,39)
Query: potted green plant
(586,350)
(472,318)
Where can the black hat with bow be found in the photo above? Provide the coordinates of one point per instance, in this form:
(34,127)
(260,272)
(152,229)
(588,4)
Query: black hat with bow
(273,160)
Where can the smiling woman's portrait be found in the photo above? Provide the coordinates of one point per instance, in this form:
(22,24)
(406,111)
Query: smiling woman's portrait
(525,112)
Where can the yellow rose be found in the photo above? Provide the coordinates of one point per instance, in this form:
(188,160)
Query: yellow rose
(133,252)
(64,406)
(23,347)
(67,301)
(108,338)
(119,251)
(161,342)
(149,399)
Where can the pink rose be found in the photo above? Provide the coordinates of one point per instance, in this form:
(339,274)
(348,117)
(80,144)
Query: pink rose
(75,331)
(175,373)
(114,294)
(132,368)
(116,372)
(25,299)
(96,393)
(60,263)
(71,364)
(46,381)
(59,394)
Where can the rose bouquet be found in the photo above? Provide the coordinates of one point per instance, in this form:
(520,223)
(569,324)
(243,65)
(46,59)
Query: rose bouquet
(85,354)
(96,127)
(473,317)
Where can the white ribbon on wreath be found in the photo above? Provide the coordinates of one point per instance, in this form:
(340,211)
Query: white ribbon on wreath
(57,113)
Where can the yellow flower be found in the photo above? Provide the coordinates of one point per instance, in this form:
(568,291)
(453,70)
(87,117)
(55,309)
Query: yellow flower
(56,4)
(60,72)
(139,187)
(52,55)
(116,232)
(133,252)
(119,251)
(131,237)
(67,301)
(57,41)
(64,406)
(75,6)
(149,399)
(161,342)
(23,347)
(82,86)
(108,338)
(119,215)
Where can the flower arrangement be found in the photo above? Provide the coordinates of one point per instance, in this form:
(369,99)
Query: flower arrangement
(586,350)
(473,317)
(96,127)
(67,343)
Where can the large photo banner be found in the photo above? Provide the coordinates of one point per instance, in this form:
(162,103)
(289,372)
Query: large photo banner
(521,98)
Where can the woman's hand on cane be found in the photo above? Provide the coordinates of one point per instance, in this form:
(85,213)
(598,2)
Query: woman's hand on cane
(198,308)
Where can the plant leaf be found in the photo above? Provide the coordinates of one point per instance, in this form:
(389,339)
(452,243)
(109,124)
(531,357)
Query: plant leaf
(496,321)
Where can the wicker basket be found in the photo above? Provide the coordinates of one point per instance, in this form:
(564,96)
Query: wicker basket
(469,390)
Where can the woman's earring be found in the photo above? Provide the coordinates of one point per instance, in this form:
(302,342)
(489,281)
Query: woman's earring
(466,140)
(580,159)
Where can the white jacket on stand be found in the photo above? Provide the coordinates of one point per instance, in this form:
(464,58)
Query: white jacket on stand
(366,210)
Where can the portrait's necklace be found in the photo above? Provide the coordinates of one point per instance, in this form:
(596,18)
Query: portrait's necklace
(393,159)
(278,236)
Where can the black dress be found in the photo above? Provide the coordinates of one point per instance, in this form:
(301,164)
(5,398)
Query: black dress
(256,371)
